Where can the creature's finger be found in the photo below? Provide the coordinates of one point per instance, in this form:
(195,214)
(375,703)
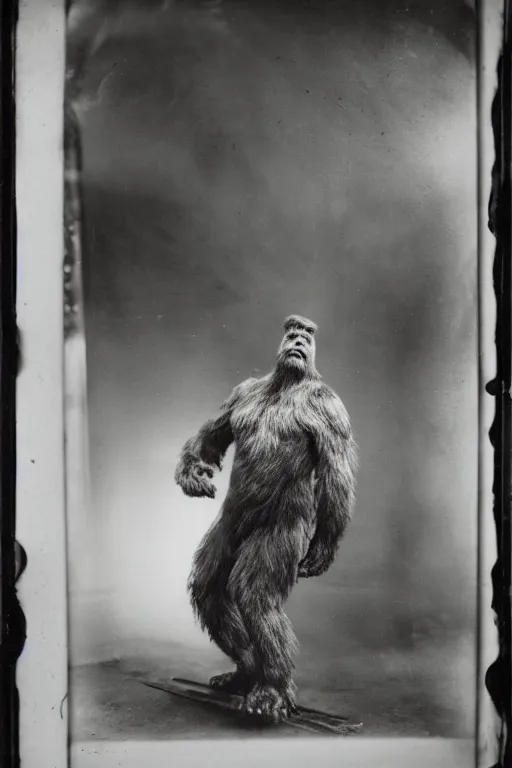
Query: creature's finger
(206,488)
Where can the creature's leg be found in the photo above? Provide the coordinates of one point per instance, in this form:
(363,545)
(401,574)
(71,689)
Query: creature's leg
(217,612)
(261,580)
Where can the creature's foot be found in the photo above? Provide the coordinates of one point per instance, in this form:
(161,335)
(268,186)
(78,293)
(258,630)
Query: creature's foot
(268,703)
(231,682)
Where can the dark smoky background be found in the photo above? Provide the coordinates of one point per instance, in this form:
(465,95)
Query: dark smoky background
(246,160)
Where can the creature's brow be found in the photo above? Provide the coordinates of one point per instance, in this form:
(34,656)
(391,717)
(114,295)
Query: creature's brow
(301,333)
(296,328)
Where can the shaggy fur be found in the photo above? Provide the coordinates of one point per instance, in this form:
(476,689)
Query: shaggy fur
(287,507)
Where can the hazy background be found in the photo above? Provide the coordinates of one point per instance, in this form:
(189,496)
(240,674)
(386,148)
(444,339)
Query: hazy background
(242,161)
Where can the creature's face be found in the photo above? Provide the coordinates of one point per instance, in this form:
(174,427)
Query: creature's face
(297,350)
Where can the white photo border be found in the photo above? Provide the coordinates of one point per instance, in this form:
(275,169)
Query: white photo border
(40,510)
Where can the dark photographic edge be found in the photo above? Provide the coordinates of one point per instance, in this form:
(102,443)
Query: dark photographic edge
(498,675)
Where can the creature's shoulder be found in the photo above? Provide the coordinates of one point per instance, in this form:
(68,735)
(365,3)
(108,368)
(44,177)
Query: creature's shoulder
(246,389)
(248,386)
(328,406)
(245,405)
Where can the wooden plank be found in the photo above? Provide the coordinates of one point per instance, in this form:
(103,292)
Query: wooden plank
(310,713)
(307,719)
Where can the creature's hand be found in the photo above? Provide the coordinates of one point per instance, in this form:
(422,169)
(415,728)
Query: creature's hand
(195,481)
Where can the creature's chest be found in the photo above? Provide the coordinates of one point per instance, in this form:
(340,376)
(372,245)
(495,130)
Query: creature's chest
(276,425)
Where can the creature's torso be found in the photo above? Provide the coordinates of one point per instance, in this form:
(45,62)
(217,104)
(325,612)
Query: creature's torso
(274,453)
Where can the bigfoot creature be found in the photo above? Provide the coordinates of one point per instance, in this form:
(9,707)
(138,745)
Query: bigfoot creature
(288,505)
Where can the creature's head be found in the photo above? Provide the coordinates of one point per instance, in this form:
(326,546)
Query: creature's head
(296,353)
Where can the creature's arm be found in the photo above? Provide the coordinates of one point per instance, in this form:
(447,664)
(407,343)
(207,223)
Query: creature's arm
(335,480)
(203,454)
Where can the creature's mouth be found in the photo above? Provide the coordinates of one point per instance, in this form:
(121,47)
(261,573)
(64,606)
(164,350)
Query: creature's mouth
(297,353)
